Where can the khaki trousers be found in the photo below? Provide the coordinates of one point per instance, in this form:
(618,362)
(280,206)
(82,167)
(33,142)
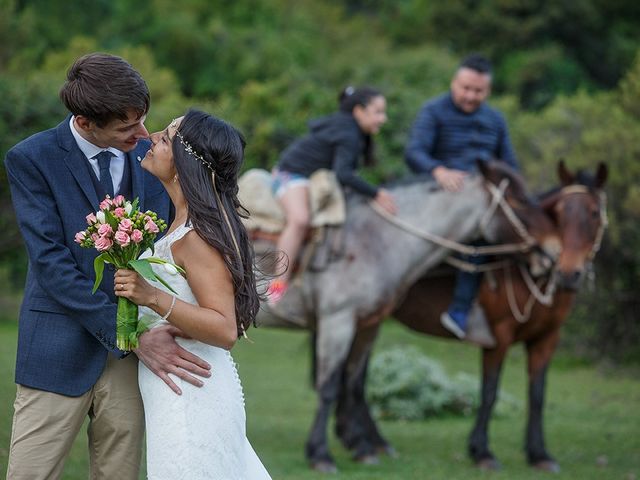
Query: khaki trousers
(45,425)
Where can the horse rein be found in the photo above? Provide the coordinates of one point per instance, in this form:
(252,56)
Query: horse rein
(497,200)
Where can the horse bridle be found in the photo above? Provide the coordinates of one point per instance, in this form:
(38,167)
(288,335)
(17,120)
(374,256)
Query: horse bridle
(546,297)
(602,202)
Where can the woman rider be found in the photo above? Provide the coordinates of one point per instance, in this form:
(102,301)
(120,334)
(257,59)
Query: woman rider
(335,142)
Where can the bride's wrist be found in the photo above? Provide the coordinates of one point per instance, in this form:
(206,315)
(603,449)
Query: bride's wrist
(153,302)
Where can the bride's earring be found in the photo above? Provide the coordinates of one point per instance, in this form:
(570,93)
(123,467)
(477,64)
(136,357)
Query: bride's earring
(175,178)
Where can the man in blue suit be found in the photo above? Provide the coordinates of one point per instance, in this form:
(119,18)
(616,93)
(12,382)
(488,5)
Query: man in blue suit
(68,366)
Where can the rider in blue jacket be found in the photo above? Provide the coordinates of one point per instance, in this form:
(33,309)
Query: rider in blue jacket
(451,132)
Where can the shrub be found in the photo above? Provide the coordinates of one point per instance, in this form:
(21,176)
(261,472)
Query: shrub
(405,384)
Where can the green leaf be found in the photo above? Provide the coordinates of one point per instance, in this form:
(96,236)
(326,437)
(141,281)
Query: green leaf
(143,267)
(98,266)
(166,284)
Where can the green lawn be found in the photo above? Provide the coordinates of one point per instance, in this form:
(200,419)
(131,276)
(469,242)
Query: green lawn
(592,417)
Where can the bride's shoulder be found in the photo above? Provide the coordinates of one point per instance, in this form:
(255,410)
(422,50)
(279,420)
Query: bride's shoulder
(192,248)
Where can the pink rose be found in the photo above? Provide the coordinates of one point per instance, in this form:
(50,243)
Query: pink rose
(119,212)
(105,230)
(125,225)
(95,237)
(118,201)
(80,236)
(122,238)
(136,236)
(91,218)
(106,204)
(151,227)
(103,243)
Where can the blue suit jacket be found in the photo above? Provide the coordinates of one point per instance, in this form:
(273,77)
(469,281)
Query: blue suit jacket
(65,332)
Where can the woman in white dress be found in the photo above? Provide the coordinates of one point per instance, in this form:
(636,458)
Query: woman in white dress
(199,434)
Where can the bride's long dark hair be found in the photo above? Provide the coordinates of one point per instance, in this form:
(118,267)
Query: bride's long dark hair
(214,210)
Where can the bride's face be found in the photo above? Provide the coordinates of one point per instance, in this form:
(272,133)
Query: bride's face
(159,159)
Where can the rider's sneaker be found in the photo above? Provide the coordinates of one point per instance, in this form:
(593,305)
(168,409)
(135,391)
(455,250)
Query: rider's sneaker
(455,321)
(276,291)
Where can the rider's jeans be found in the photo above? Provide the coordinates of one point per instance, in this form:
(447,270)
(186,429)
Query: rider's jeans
(467,283)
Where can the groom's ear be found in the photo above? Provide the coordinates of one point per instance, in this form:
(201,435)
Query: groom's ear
(84,124)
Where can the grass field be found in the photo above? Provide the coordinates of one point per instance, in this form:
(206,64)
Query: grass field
(592,416)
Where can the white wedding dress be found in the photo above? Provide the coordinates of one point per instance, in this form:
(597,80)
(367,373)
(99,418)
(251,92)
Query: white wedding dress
(199,435)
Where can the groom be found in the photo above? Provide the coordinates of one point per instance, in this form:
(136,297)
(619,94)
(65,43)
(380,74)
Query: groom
(68,367)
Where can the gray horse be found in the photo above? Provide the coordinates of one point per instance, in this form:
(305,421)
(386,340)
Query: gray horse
(345,303)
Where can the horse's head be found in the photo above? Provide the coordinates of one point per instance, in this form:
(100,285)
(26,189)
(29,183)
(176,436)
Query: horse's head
(514,216)
(578,209)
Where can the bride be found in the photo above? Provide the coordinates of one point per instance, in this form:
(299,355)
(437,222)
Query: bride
(200,433)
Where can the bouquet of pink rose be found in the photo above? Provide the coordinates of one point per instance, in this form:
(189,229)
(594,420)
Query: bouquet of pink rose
(121,232)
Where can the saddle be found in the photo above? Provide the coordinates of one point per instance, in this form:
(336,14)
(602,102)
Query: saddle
(323,243)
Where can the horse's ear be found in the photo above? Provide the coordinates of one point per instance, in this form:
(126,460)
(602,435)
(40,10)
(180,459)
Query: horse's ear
(601,175)
(565,176)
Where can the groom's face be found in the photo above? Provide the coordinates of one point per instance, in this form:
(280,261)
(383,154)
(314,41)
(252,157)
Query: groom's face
(121,134)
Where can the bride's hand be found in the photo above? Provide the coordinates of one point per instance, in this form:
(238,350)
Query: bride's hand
(129,284)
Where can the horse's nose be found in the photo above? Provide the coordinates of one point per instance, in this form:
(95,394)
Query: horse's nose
(570,280)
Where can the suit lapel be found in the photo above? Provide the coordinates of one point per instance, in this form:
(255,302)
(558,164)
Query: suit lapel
(76,162)
(137,174)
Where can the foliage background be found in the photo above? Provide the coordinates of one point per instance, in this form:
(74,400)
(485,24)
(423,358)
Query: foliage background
(567,75)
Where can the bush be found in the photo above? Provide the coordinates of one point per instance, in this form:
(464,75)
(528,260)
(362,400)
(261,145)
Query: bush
(404,384)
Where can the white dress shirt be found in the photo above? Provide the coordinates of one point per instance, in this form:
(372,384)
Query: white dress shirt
(116,167)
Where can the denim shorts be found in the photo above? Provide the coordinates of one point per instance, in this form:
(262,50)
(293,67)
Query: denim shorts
(283,180)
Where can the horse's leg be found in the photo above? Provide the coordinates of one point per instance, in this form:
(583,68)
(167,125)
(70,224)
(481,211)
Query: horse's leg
(334,339)
(478,445)
(354,424)
(539,356)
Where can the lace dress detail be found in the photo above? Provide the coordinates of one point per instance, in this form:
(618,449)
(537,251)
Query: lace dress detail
(199,435)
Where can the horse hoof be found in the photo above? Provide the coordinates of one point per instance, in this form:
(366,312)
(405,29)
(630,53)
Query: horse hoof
(388,450)
(547,466)
(324,467)
(369,459)
(488,464)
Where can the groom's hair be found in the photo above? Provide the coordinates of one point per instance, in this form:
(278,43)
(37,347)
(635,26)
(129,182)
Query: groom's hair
(103,88)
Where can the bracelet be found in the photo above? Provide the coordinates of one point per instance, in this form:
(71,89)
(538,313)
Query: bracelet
(155,297)
(173,303)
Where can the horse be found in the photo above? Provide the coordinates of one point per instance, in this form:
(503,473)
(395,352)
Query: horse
(345,303)
(517,310)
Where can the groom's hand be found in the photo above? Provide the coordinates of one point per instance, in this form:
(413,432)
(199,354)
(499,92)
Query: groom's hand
(160,352)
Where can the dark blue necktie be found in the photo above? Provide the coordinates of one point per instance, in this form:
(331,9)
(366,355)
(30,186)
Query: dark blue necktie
(104,160)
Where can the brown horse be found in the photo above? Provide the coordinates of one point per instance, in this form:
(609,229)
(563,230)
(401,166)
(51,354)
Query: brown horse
(513,308)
